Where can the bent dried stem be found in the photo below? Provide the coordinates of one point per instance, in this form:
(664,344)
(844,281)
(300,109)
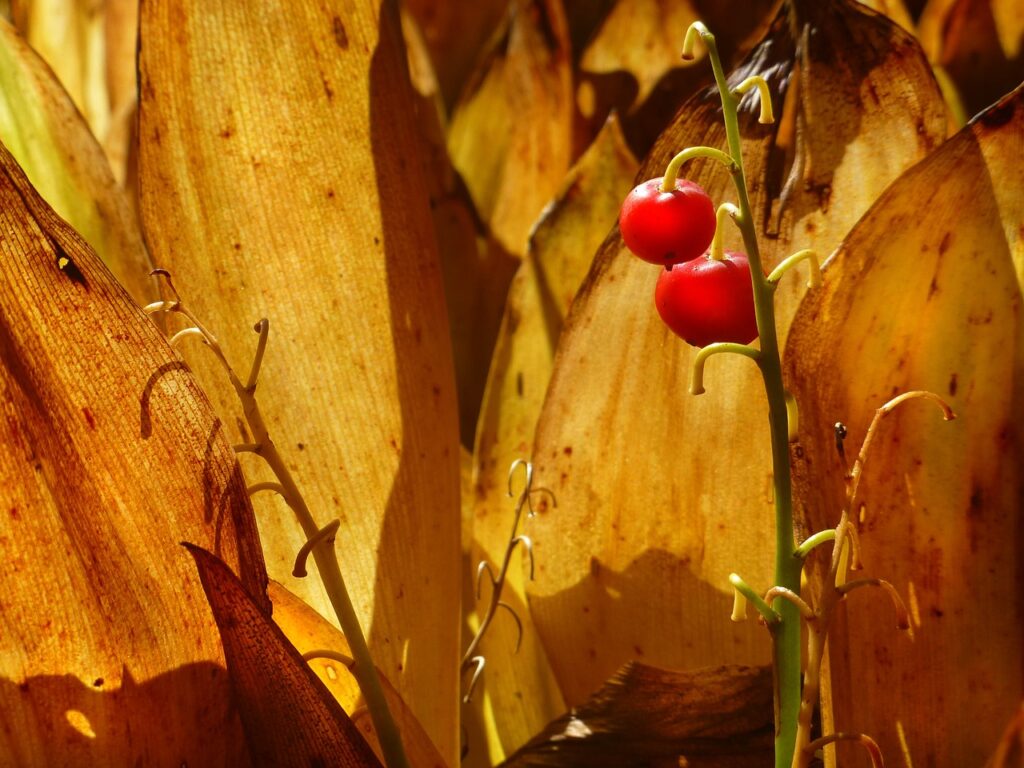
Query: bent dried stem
(471,660)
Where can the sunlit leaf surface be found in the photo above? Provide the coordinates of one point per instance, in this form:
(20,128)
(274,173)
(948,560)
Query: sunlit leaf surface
(111,456)
(925,293)
(708,718)
(661,494)
(293,190)
(51,141)
(511,132)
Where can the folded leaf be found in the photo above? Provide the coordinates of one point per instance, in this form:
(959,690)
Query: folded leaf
(108,652)
(308,631)
(925,293)
(661,495)
(289,716)
(511,132)
(43,130)
(644,716)
(293,190)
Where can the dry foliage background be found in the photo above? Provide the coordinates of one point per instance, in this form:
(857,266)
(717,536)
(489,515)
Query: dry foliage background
(423,200)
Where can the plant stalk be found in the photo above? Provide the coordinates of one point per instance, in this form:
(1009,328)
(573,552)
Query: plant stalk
(785,633)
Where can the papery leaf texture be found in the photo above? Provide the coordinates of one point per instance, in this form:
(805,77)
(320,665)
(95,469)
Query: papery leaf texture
(111,455)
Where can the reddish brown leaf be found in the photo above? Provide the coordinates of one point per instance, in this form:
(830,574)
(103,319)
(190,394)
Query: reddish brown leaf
(111,455)
(290,718)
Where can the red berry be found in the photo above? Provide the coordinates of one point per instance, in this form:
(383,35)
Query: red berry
(667,227)
(706,301)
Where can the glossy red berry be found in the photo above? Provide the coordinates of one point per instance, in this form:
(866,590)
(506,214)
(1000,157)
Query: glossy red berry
(667,227)
(706,301)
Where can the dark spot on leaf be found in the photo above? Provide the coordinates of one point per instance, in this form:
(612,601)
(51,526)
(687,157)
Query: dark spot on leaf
(89,418)
(340,35)
(567,450)
(330,193)
(300,446)
(519,383)
(97,683)
(945,242)
(67,266)
(975,510)
(226,133)
(952,384)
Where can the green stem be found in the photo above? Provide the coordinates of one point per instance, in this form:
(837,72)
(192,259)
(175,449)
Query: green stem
(813,541)
(785,633)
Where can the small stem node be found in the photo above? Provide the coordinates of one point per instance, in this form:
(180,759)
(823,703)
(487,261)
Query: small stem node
(697,372)
(672,170)
(811,542)
(767,116)
(325,534)
(788,594)
(810,256)
(717,248)
(770,615)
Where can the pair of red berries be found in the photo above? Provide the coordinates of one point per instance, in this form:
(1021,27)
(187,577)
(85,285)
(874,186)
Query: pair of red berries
(702,300)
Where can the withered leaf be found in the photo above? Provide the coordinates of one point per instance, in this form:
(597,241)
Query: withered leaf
(925,294)
(644,716)
(293,190)
(289,716)
(512,131)
(44,131)
(108,652)
(661,495)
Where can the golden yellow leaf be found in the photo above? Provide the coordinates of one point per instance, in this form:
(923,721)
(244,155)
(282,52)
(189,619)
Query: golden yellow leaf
(293,190)
(308,631)
(111,456)
(91,48)
(520,692)
(51,141)
(661,494)
(925,293)
(511,132)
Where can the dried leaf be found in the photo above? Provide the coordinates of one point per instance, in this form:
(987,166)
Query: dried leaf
(109,654)
(978,43)
(925,293)
(456,34)
(632,63)
(644,716)
(91,48)
(1011,744)
(662,495)
(511,132)
(274,686)
(42,128)
(292,192)
(308,631)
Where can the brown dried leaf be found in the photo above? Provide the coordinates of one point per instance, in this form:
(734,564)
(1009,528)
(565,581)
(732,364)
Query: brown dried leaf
(660,494)
(293,190)
(978,43)
(111,455)
(290,718)
(925,293)
(49,138)
(644,716)
(308,631)
(456,35)
(511,132)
